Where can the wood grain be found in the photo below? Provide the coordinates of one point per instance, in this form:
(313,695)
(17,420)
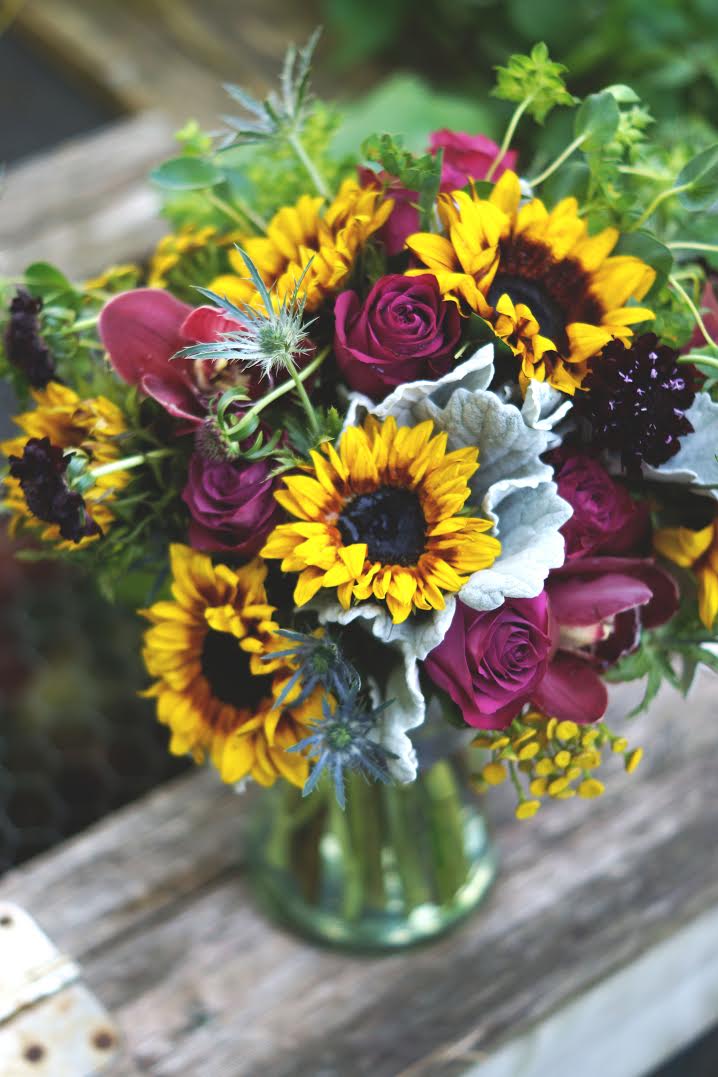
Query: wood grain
(155,905)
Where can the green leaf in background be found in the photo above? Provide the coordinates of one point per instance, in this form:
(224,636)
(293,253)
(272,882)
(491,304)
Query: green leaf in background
(596,120)
(407,105)
(187,174)
(700,177)
(645,246)
(535,81)
(571,180)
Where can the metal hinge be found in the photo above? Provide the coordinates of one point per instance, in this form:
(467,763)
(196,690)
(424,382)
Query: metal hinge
(51,1025)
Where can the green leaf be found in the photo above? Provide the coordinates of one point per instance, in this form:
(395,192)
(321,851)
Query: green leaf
(408,106)
(701,177)
(597,120)
(47,281)
(416,173)
(187,174)
(535,79)
(645,246)
(623,94)
(571,180)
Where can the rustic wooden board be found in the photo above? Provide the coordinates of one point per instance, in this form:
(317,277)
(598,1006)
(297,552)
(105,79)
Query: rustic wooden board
(88,203)
(154,904)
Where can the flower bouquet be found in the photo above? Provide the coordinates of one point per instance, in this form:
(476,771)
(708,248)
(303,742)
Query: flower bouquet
(404,454)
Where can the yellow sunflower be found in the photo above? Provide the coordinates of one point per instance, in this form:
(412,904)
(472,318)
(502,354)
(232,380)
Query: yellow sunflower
(175,247)
(300,233)
(698,551)
(94,426)
(214,690)
(381,519)
(555,294)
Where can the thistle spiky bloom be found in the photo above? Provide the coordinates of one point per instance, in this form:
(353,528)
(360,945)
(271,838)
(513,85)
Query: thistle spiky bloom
(93,427)
(379,519)
(637,400)
(697,551)
(217,684)
(271,336)
(302,236)
(553,293)
(341,741)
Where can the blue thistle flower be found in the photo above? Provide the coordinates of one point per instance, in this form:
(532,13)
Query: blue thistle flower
(342,742)
(320,663)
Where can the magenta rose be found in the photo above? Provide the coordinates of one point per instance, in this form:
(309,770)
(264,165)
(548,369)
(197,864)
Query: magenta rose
(605,518)
(402,331)
(403,220)
(490,663)
(467,157)
(232,505)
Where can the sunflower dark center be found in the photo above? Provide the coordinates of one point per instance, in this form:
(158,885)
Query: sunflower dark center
(545,310)
(391,522)
(226,667)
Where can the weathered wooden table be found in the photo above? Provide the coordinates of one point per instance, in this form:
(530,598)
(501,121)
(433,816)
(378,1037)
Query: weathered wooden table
(595,954)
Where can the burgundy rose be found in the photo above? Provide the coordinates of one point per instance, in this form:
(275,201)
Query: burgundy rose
(403,220)
(403,331)
(143,329)
(605,517)
(491,663)
(232,505)
(467,157)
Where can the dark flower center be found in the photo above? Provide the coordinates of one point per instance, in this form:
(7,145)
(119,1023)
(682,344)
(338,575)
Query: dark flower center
(391,522)
(545,310)
(226,667)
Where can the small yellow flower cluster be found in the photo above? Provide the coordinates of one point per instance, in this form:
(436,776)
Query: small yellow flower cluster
(555,759)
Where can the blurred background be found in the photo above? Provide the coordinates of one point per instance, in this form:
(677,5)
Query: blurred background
(90,94)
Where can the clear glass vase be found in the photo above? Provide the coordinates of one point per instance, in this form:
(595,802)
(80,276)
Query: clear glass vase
(401,865)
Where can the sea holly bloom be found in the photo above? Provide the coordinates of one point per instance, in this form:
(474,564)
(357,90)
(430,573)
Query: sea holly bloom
(93,427)
(380,519)
(403,331)
(467,157)
(637,400)
(24,346)
(216,686)
(40,472)
(697,551)
(304,241)
(555,294)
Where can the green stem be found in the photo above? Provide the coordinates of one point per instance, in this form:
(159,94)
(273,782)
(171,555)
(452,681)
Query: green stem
(689,245)
(694,311)
(446,824)
(657,201)
(572,146)
(128,462)
(353,889)
(401,822)
(697,357)
(242,214)
(79,326)
(510,132)
(297,378)
(314,174)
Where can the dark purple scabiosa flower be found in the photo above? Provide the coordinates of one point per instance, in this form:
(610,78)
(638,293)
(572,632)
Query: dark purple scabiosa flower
(41,474)
(637,401)
(24,346)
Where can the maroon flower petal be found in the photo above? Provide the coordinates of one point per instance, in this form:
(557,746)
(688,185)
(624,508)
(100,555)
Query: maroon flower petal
(571,691)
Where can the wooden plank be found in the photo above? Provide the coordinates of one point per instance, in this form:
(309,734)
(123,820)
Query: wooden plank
(153,902)
(88,203)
